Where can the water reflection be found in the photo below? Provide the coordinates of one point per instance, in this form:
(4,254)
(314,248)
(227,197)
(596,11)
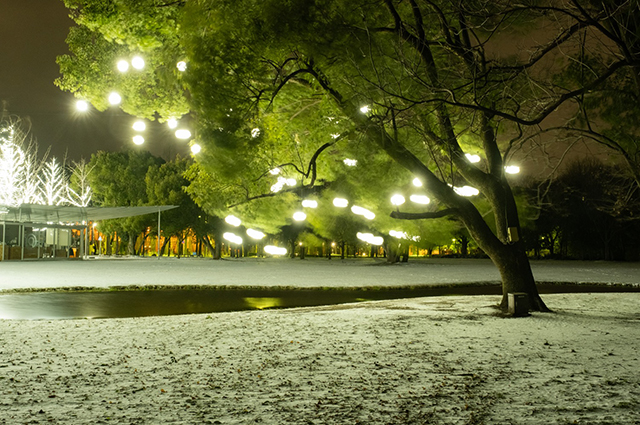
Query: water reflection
(113,304)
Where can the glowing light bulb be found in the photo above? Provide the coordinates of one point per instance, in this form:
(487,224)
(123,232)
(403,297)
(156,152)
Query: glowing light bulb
(417,182)
(419,199)
(233,220)
(255,234)
(512,169)
(299,216)
(138,140)
(350,162)
(397,200)
(139,126)
(365,109)
(472,158)
(123,65)
(137,62)
(195,149)
(172,123)
(182,66)
(115,98)
(183,134)
(310,203)
(82,105)
(340,202)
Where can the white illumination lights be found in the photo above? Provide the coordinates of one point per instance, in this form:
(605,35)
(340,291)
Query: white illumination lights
(274,172)
(340,202)
(363,212)
(466,191)
(309,203)
(137,62)
(139,126)
(183,134)
(255,132)
(233,220)
(397,200)
(138,140)
(512,169)
(274,250)
(290,182)
(417,182)
(195,149)
(370,238)
(335,135)
(182,66)
(172,123)
(255,234)
(365,109)
(419,199)
(299,216)
(350,162)
(233,238)
(122,65)
(472,158)
(115,98)
(82,105)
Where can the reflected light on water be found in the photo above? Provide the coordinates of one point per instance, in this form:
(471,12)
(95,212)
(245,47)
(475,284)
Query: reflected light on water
(261,303)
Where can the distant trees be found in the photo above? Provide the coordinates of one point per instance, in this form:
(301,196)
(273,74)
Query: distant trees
(591,211)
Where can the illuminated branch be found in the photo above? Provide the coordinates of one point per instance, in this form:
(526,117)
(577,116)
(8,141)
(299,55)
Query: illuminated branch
(424,215)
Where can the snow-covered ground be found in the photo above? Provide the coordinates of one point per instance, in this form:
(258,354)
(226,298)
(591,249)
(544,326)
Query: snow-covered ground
(449,360)
(311,272)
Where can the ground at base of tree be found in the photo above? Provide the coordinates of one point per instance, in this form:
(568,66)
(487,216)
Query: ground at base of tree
(426,360)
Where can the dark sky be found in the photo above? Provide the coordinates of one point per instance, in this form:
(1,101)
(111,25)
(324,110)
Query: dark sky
(32,34)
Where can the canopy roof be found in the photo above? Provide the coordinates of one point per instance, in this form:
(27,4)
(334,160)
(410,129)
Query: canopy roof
(44,214)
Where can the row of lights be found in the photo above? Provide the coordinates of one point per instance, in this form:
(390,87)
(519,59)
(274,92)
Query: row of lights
(114,98)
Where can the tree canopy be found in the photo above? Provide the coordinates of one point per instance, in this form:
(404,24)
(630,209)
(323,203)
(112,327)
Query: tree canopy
(287,95)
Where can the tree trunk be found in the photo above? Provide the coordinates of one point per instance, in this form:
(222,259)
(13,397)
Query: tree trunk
(515,271)
(164,245)
(207,242)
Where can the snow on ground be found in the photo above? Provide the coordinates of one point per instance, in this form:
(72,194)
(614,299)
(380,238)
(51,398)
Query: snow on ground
(449,360)
(312,272)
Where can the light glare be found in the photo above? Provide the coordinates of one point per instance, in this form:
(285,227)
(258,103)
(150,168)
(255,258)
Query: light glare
(397,200)
(472,158)
(137,62)
(172,123)
(233,238)
(419,199)
(274,250)
(233,220)
(255,234)
(115,98)
(138,140)
(310,203)
(82,105)
(139,126)
(123,65)
(182,66)
(183,134)
(195,149)
(340,202)
(512,169)
(299,216)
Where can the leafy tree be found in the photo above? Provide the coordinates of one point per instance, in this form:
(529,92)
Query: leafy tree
(406,88)
(118,179)
(166,186)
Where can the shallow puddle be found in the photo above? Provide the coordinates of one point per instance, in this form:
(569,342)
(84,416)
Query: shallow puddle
(114,304)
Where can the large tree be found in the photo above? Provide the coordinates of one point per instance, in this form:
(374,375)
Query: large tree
(405,87)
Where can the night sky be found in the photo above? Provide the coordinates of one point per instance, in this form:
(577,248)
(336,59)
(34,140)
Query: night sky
(32,34)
